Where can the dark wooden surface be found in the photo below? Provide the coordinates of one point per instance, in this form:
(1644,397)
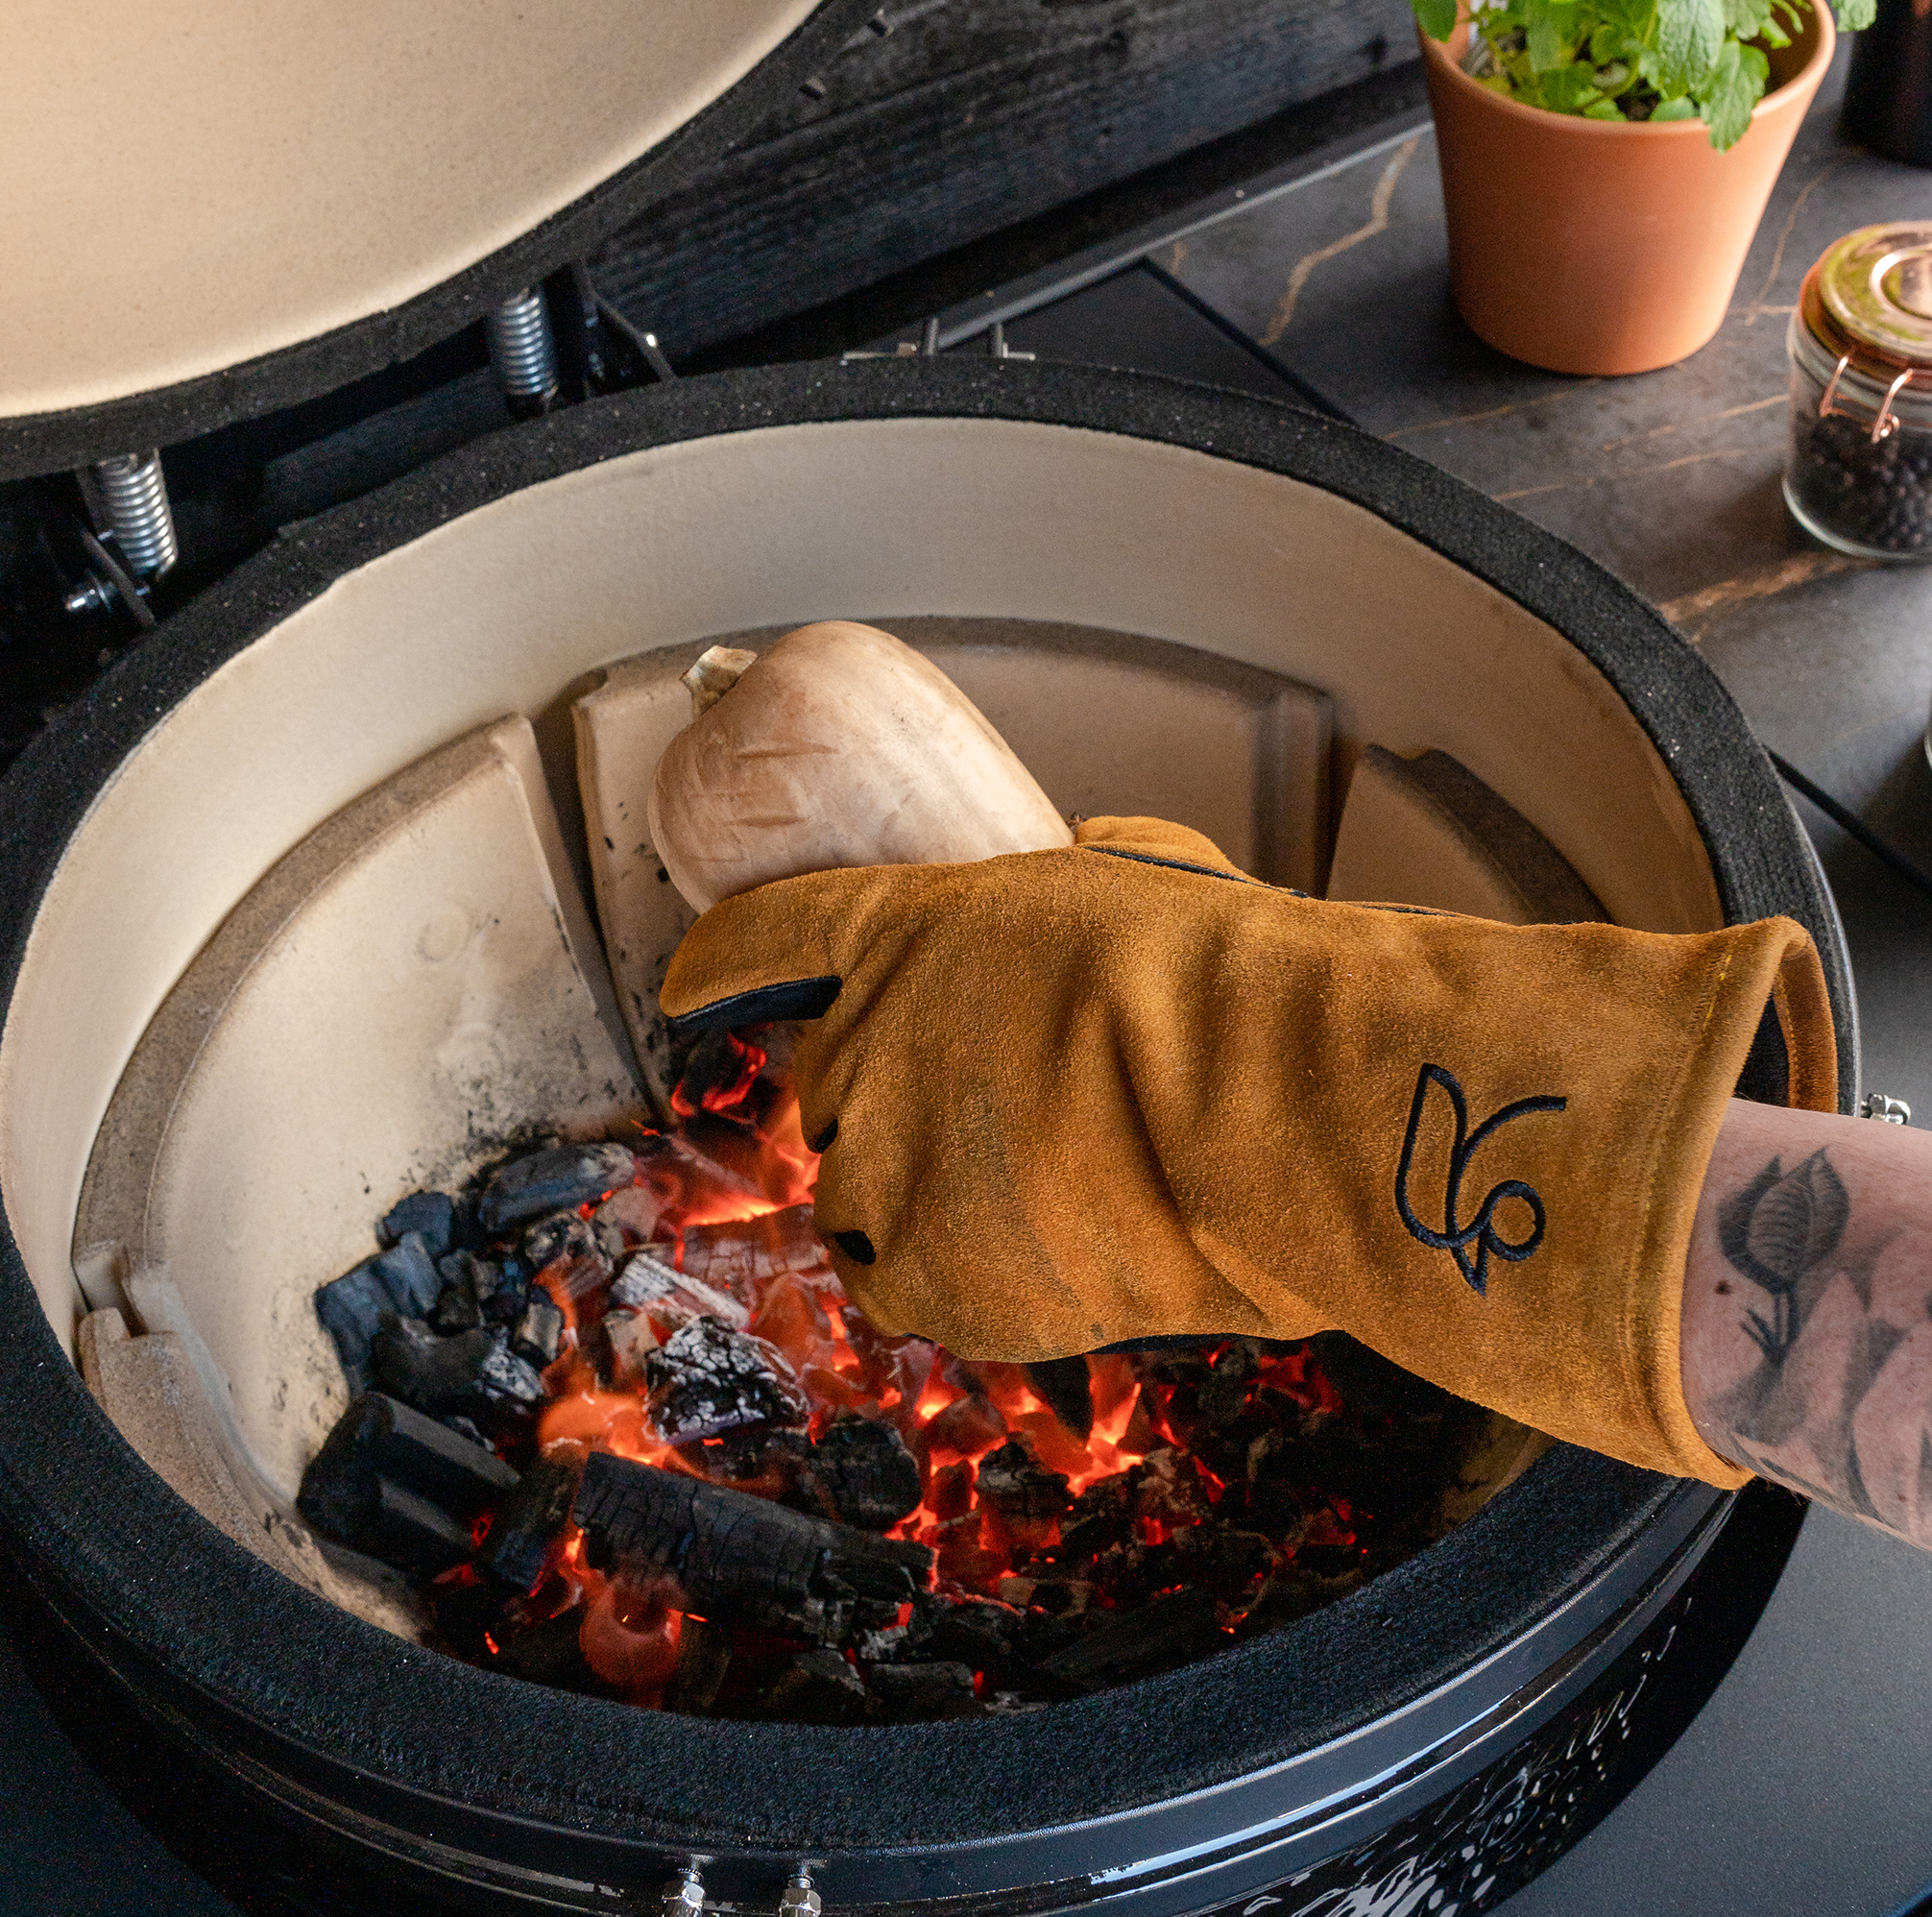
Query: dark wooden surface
(969,117)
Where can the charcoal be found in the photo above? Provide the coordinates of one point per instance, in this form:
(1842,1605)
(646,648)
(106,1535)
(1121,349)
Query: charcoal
(818,1687)
(414,1535)
(647,1284)
(919,1693)
(967,1426)
(1102,1515)
(508,1383)
(891,1643)
(1220,1401)
(410,1276)
(557,1180)
(745,1253)
(351,1309)
(539,1332)
(632,1213)
(565,1234)
(432,1373)
(1067,1386)
(708,1377)
(473,1371)
(456,1310)
(464,1427)
(499,1299)
(528,1520)
(625,1341)
(400,1486)
(548,1652)
(704,1657)
(430,1215)
(1017,1485)
(860,1472)
(1170,1631)
(980,1635)
(740,1557)
(719,1071)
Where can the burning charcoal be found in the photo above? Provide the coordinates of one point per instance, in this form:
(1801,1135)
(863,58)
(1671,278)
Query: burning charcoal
(746,1252)
(548,1652)
(1220,1398)
(559,1179)
(978,1636)
(647,1284)
(628,1340)
(539,1332)
(456,1310)
(351,1310)
(563,1234)
(708,1377)
(401,1486)
(1102,1515)
(633,1213)
(430,1215)
(920,1693)
(740,1557)
(819,1688)
(862,1474)
(1170,1631)
(894,1642)
(474,1370)
(966,1426)
(1068,1388)
(1017,1485)
(410,1274)
(527,1522)
(704,1657)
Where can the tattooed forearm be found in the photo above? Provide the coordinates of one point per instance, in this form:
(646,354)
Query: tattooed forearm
(1807,1322)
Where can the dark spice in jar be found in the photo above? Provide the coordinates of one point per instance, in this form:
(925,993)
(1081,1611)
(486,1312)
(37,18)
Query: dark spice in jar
(1878,495)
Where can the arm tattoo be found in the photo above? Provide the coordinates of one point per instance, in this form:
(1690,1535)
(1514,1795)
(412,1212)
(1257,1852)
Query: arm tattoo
(1835,1402)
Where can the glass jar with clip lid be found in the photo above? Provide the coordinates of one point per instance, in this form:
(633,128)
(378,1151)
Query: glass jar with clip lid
(1859,475)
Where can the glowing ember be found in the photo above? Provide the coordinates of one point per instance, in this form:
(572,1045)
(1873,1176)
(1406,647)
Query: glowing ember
(1090,1521)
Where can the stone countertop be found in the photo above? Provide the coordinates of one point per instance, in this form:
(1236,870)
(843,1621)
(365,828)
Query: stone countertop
(1803,1786)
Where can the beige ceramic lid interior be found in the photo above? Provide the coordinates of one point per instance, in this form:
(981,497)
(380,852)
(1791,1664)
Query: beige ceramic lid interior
(189,187)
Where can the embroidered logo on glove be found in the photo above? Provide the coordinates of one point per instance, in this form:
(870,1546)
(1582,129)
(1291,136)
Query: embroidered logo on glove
(1481,1232)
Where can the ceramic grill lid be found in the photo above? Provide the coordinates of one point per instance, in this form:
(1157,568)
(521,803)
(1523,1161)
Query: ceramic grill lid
(216,210)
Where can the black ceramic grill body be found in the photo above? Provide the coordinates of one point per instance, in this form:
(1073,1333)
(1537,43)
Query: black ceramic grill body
(1203,1789)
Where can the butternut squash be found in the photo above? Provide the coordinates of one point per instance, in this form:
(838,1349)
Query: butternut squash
(837,746)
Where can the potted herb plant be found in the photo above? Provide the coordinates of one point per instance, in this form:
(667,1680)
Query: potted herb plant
(1606,163)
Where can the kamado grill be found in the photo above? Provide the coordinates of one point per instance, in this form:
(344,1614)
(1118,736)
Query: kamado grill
(337,888)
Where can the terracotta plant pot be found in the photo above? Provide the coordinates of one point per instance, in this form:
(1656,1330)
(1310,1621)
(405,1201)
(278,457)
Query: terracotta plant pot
(1600,246)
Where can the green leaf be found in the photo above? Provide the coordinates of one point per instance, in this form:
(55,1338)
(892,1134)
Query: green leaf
(1678,108)
(1435,17)
(1603,109)
(1736,87)
(1550,26)
(1571,88)
(1855,16)
(1690,32)
(1747,18)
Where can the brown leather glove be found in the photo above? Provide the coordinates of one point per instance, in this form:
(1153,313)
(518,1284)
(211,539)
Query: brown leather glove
(1080,1097)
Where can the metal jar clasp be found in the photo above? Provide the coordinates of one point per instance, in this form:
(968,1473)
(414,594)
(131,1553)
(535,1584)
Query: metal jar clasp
(1887,421)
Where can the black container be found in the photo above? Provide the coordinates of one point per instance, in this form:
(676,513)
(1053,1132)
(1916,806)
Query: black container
(1888,93)
(1459,1718)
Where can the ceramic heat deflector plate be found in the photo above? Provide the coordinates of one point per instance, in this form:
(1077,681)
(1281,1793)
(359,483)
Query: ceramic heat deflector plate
(213,212)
